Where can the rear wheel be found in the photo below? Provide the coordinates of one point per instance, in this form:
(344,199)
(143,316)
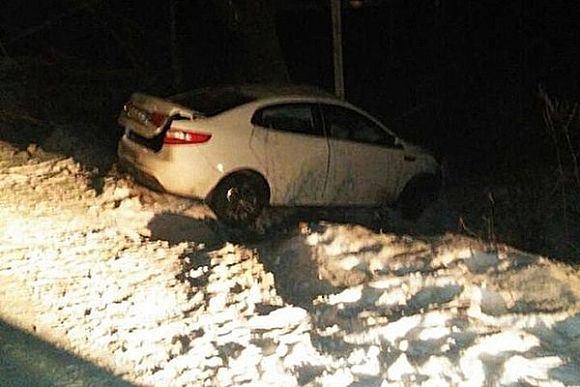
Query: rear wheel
(417,195)
(239,199)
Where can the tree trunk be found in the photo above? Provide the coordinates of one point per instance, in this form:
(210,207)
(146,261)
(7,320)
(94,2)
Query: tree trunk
(258,55)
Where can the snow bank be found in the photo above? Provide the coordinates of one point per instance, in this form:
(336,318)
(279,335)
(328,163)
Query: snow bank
(96,272)
(446,310)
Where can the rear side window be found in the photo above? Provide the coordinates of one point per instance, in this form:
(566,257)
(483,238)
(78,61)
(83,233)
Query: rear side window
(295,118)
(346,124)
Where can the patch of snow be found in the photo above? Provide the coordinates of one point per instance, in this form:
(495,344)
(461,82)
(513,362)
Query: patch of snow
(392,332)
(349,295)
(535,371)
(365,362)
(340,378)
(479,359)
(280,318)
(99,275)
(401,369)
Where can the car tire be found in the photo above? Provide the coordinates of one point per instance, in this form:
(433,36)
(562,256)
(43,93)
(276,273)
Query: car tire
(239,199)
(420,192)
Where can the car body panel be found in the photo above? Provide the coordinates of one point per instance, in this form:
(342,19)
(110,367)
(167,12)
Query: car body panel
(295,166)
(168,168)
(353,162)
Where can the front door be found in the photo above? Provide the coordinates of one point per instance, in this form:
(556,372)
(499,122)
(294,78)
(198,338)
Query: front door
(365,162)
(294,153)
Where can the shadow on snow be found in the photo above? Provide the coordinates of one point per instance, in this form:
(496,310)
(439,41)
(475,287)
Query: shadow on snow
(26,360)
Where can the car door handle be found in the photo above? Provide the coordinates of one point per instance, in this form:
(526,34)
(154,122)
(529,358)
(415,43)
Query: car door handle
(409,158)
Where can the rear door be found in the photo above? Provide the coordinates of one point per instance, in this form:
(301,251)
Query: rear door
(293,151)
(365,161)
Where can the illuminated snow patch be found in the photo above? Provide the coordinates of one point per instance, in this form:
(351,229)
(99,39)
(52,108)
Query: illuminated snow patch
(471,361)
(349,262)
(279,318)
(390,332)
(15,231)
(434,333)
(393,297)
(341,378)
(535,371)
(386,283)
(91,281)
(349,295)
(441,372)
(401,369)
(449,257)
(365,362)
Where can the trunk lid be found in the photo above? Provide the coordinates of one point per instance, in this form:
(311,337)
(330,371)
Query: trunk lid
(149,116)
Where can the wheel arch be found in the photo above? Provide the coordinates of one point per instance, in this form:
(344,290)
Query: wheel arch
(418,193)
(243,172)
(431,180)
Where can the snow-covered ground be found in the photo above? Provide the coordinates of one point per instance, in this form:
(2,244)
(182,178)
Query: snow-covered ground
(148,287)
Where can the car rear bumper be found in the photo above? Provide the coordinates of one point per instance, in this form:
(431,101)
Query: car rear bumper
(168,170)
(141,176)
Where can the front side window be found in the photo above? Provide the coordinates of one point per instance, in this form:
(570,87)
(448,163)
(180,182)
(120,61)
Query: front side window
(295,118)
(346,124)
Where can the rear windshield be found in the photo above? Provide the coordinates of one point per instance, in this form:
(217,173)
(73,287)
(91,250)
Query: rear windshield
(210,102)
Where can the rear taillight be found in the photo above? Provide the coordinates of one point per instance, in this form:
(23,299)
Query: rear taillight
(174,137)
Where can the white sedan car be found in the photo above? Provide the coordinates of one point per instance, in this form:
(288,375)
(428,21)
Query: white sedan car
(245,147)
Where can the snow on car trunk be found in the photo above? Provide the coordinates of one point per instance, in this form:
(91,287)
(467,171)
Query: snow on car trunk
(331,304)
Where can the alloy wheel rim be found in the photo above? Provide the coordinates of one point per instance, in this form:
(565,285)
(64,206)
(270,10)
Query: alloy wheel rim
(242,201)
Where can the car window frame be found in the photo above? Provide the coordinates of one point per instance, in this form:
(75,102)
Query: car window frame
(314,110)
(395,140)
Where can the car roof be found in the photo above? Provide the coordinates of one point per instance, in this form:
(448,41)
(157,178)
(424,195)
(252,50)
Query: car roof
(217,99)
(260,91)
(264,94)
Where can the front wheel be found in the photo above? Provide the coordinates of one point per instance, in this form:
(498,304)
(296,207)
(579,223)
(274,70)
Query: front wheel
(239,199)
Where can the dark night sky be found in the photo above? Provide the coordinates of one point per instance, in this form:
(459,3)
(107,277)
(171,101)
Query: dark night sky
(457,74)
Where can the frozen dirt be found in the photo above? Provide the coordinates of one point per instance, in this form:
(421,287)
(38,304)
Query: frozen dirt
(151,289)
